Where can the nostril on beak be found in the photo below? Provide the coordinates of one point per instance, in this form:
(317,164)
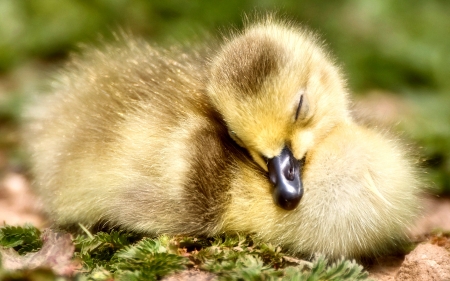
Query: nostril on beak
(290,174)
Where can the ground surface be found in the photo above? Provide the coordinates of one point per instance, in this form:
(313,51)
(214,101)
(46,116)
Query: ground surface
(430,260)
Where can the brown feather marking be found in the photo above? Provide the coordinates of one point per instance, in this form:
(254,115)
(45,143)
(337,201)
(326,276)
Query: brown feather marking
(207,190)
(252,60)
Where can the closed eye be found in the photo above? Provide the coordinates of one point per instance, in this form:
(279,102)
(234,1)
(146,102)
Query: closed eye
(236,138)
(299,107)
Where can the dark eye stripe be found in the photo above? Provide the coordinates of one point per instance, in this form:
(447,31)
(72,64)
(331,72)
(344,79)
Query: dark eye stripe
(299,107)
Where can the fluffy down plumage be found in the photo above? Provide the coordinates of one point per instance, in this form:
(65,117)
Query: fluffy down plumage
(177,142)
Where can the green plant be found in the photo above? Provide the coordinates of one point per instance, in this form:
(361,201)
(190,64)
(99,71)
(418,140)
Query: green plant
(118,255)
(22,239)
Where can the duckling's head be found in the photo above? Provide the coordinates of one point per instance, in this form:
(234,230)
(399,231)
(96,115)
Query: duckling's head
(279,94)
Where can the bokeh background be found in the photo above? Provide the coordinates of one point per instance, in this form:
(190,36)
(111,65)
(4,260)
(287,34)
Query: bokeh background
(395,55)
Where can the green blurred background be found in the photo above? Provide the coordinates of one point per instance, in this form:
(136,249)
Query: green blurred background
(395,55)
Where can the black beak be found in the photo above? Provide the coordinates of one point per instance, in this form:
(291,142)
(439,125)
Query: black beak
(284,173)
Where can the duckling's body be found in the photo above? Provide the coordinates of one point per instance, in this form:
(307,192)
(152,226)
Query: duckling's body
(133,125)
(139,138)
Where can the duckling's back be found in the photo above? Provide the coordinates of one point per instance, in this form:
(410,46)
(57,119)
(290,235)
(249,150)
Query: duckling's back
(120,140)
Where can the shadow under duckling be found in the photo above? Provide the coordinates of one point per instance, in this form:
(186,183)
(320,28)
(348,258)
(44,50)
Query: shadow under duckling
(255,138)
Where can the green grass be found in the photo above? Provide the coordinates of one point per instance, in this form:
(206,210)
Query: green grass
(124,256)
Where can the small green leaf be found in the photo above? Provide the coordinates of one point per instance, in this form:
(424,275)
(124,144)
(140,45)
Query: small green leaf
(22,239)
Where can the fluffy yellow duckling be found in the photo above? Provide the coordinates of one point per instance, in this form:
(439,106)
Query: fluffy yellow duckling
(161,141)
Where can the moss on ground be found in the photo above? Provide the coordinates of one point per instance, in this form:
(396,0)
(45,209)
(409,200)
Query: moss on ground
(124,256)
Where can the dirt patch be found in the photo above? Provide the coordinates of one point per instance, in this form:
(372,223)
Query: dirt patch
(386,268)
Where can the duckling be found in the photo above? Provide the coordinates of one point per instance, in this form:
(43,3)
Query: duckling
(255,137)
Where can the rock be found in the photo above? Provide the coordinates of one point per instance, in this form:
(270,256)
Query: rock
(427,262)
